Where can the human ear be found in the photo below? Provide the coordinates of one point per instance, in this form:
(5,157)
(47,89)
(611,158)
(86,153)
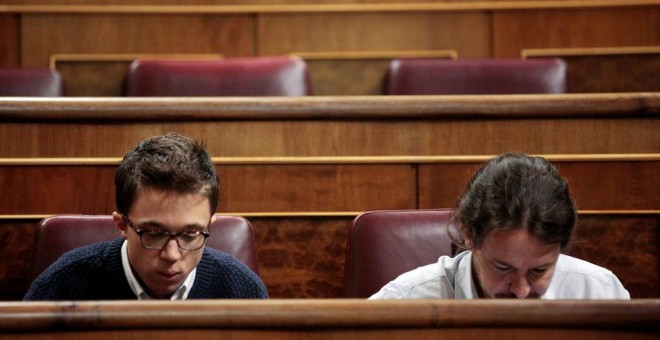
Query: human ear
(119,222)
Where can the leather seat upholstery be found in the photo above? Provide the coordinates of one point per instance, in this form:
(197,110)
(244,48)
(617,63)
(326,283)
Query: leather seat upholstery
(258,76)
(58,234)
(384,244)
(427,76)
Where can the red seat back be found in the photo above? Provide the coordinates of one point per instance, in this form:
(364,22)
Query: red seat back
(19,82)
(475,76)
(58,234)
(384,244)
(264,76)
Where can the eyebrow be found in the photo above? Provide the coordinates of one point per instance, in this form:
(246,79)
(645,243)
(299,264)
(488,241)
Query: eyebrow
(154,224)
(504,264)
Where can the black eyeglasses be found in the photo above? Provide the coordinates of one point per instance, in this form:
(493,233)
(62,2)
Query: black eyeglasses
(156,239)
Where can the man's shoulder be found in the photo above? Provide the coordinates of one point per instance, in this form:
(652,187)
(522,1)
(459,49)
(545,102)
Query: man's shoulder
(89,255)
(578,279)
(217,263)
(76,272)
(220,275)
(574,266)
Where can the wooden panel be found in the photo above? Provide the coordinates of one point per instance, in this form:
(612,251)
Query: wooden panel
(88,79)
(16,250)
(614,73)
(57,190)
(629,247)
(595,186)
(9,40)
(337,126)
(514,31)
(89,189)
(347,77)
(302,257)
(230,35)
(287,33)
(333,187)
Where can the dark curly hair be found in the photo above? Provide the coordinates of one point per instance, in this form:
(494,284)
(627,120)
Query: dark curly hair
(171,162)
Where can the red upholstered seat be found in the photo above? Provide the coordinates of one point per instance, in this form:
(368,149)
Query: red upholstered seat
(58,234)
(263,76)
(23,82)
(384,244)
(475,76)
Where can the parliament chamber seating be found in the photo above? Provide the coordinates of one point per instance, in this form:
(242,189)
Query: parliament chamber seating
(24,82)
(434,76)
(384,244)
(60,233)
(257,76)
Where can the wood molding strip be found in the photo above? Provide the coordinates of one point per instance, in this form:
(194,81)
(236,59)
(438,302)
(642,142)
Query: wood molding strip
(592,51)
(326,8)
(557,158)
(358,55)
(116,57)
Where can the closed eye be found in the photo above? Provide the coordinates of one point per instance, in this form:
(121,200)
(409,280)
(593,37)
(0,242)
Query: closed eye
(539,271)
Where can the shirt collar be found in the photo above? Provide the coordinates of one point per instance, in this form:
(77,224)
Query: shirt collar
(180,294)
(465,288)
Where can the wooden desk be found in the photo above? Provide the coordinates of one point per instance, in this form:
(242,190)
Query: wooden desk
(337,126)
(332,319)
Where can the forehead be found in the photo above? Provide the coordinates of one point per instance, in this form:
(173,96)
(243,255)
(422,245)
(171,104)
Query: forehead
(170,208)
(517,247)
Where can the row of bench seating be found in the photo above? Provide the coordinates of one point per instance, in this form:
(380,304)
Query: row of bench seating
(381,244)
(289,76)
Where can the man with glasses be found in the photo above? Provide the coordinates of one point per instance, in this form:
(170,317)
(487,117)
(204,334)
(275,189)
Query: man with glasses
(166,194)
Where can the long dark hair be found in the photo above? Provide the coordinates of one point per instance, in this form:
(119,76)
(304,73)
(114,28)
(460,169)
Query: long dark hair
(514,191)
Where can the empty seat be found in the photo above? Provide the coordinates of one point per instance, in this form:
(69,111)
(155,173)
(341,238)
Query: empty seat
(24,82)
(264,76)
(384,244)
(475,76)
(58,234)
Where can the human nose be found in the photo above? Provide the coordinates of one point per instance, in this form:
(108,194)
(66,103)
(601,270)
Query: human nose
(520,287)
(171,251)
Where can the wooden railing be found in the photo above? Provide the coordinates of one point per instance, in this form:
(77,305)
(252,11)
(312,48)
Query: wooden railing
(333,319)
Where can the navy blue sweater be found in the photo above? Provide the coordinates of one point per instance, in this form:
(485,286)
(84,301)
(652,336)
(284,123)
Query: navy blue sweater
(95,272)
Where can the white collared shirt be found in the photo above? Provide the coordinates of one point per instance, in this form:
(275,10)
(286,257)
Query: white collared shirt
(451,278)
(180,294)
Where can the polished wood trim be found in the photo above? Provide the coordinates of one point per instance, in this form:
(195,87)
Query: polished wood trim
(118,57)
(376,55)
(324,313)
(566,52)
(327,8)
(344,159)
(314,214)
(644,104)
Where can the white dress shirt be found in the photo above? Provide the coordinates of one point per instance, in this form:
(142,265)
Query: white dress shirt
(451,278)
(180,294)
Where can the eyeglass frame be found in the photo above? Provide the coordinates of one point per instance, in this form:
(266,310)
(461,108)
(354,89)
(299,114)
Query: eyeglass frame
(206,233)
